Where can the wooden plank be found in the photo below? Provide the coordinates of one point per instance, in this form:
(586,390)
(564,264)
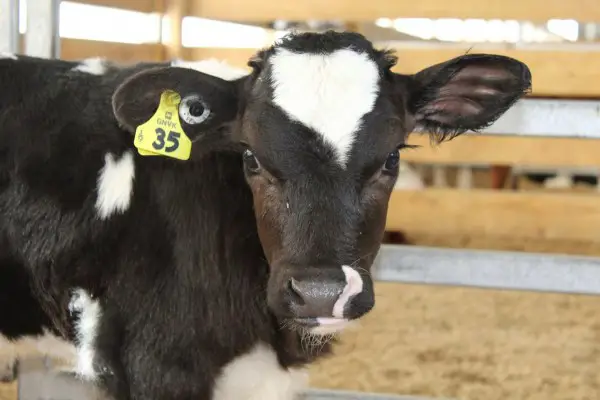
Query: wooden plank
(556,73)
(359,10)
(75,49)
(147,6)
(506,150)
(573,216)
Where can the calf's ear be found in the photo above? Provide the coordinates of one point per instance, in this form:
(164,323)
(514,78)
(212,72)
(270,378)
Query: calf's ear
(207,101)
(466,93)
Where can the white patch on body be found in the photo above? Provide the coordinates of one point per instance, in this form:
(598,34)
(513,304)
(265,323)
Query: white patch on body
(115,184)
(257,375)
(329,93)
(214,67)
(4,54)
(94,66)
(86,329)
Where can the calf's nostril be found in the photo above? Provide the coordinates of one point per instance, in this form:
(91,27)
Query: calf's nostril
(295,292)
(312,298)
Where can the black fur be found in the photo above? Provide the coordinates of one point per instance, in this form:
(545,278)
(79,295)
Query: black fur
(18,305)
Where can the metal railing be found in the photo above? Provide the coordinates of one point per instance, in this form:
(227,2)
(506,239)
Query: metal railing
(42,35)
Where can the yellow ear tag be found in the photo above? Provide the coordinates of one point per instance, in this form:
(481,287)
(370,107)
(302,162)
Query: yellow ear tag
(162,134)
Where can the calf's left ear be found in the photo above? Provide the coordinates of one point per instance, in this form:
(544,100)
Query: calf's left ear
(206,101)
(466,93)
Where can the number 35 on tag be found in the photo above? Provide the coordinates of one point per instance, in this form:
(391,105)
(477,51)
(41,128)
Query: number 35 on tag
(162,134)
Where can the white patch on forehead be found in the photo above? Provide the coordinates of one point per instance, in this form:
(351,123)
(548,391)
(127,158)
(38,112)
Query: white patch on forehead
(257,375)
(4,54)
(329,93)
(213,67)
(115,184)
(94,66)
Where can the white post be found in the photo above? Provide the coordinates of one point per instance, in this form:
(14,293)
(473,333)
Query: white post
(439,176)
(464,178)
(42,38)
(9,26)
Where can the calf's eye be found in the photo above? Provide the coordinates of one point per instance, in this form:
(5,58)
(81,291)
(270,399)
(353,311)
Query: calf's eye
(193,110)
(392,161)
(250,162)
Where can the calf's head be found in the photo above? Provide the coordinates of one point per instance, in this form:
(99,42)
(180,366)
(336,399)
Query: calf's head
(320,121)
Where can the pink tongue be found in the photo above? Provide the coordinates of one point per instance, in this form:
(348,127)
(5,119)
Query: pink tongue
(329,321)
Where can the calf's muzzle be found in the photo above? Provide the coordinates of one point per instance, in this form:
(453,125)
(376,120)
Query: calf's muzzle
(315,296)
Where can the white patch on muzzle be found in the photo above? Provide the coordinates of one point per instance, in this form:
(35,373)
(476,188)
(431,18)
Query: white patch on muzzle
(354,285)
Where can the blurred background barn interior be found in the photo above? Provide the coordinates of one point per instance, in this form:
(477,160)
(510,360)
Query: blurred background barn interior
(523,189)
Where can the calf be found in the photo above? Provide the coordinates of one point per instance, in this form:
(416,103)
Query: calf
(202,232)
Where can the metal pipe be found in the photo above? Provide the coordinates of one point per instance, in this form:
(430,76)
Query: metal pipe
(9,26)
(42,38)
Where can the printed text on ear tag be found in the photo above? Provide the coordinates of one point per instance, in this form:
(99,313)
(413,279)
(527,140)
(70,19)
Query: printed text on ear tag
(162,134)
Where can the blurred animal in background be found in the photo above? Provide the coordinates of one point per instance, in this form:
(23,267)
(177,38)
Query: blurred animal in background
(408,178)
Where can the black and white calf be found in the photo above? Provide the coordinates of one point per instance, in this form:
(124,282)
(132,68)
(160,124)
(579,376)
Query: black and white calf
(220,276)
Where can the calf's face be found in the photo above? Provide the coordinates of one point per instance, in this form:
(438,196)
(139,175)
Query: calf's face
(320,123)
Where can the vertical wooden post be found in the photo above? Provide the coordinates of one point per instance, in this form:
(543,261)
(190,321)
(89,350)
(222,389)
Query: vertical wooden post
(499,174)
(174,12)
(464,178)
(439,176)
(353,27)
